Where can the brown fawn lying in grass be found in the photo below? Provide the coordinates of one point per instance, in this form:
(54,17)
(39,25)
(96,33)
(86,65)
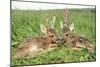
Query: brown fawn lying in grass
(37,45)
(70,39)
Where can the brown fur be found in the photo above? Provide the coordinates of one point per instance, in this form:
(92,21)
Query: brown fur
(37,44)
(76,41)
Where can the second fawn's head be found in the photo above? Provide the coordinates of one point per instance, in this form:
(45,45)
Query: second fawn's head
(50,32)
(66,31)
(66,27)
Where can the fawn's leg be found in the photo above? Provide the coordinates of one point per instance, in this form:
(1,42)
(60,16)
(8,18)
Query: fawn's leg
(78,47)
(35,52)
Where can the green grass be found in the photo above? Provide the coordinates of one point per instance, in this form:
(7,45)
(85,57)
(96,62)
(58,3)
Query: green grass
(26,24)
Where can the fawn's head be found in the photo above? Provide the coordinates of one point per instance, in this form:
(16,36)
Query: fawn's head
(66,31)
(66,27)
(49,32)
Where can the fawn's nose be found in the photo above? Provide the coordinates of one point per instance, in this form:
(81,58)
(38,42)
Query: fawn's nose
(60,40)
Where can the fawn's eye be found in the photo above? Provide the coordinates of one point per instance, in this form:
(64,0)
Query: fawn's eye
(51,35)
(66,34)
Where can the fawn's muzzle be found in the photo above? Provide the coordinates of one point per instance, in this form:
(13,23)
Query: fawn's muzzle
(60,40)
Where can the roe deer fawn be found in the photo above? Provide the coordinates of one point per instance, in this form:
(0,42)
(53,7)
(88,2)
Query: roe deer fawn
(70,39)
(38,44)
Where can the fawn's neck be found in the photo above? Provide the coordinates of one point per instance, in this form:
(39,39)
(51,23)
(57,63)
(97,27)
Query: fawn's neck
(46,41)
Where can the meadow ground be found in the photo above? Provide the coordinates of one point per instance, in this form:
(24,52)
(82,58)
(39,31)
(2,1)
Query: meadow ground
(25,23)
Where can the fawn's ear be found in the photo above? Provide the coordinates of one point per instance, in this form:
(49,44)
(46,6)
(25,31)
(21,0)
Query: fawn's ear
(43,28)
(71,27)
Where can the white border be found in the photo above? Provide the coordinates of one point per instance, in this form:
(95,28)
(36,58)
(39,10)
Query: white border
(5,38)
